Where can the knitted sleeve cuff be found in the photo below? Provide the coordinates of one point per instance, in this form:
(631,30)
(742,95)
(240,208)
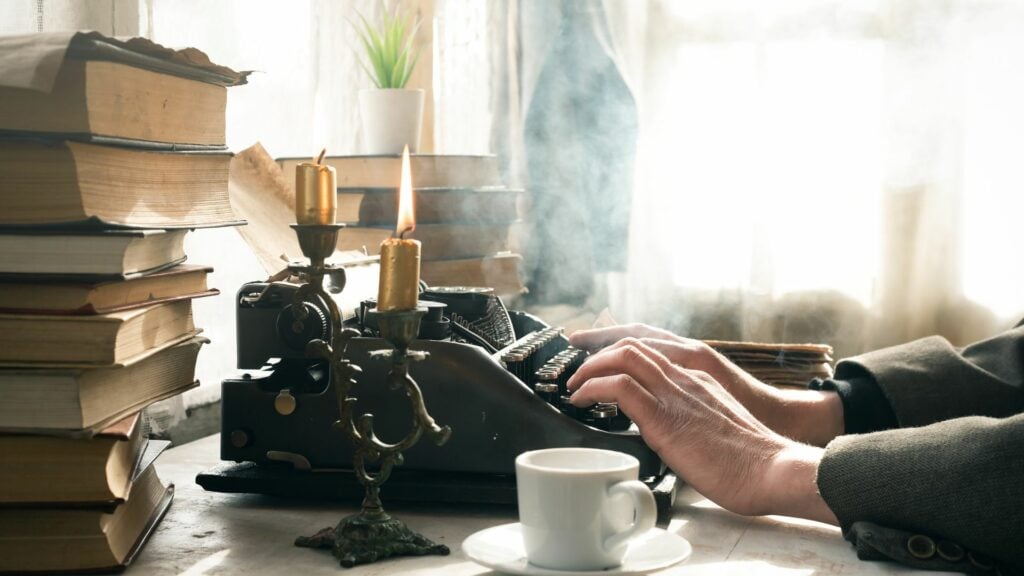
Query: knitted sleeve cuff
(865,408)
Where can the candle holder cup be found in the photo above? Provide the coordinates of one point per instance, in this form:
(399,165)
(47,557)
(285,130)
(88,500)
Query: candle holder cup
(371,534)
(317,241)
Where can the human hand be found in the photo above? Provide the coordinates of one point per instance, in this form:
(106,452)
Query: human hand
(704,434)
(810,416)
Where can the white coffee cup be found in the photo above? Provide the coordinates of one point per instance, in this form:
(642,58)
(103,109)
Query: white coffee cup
(580,507)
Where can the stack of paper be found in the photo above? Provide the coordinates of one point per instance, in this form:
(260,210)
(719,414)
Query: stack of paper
(791,365)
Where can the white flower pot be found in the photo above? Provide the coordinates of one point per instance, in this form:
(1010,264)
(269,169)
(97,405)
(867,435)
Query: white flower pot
(392,118)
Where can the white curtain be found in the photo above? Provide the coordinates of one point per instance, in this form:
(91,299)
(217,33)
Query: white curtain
(842,171)
(847,172)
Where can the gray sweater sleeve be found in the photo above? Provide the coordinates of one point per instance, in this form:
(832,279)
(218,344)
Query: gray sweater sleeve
(954,471)
(958,481)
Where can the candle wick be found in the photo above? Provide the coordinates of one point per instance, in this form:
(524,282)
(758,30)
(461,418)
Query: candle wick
(401,235)
(320,158)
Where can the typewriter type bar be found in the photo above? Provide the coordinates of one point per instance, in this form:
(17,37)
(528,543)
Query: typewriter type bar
(526,355)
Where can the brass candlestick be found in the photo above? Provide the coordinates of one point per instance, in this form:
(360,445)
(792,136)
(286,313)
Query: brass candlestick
(371,534)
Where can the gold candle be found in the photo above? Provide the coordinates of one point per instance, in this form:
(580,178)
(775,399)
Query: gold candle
(316,192)
(400,257)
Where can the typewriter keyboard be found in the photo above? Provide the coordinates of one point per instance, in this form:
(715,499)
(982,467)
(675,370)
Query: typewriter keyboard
(545,361)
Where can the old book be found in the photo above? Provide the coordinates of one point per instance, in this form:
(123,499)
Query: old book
(440,241)
(101,98)
(428,170)
(87,86)
(100,252)
(73,183)
(379,206)
(83,401)
(101,340)
(53,469)
(82,539)
(500,272)
(46,295)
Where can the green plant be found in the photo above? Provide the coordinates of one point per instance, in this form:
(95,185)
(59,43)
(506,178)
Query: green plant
(389,48)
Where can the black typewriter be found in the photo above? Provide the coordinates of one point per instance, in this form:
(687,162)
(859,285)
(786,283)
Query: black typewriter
(497,377)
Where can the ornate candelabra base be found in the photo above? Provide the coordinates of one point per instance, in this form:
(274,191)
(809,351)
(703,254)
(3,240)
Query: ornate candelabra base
(365,537)
(372,534)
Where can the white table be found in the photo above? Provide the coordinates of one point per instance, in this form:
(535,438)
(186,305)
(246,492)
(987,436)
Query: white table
(208,533)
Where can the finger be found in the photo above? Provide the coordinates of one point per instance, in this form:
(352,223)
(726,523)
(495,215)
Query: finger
(704,387)
(687,353)
(601,337)
(598,337)
(696,355)
(650,348)
(635,359)
(633,399)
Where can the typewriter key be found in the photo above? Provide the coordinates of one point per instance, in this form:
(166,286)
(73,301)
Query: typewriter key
(567,408)
(600,416)
(548,391)
(546,376)
(514,361)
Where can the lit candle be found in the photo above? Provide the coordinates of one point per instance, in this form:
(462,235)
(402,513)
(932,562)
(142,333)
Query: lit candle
(400,257)
(316,192)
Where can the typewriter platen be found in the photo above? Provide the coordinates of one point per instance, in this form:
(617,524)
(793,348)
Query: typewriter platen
(496,376)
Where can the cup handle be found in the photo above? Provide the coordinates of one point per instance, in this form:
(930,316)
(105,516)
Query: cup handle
(643,505)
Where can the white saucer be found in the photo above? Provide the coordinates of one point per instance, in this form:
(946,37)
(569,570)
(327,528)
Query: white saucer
(500,548)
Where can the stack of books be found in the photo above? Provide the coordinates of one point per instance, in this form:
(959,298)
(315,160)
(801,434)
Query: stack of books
(782,365)
(466,217)
(101,177)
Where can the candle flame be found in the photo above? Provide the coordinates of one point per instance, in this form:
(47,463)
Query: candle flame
(406,213)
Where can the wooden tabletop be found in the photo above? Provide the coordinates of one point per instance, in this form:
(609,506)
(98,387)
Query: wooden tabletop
(208,533)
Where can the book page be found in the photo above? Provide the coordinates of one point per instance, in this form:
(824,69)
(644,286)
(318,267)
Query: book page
(260,194)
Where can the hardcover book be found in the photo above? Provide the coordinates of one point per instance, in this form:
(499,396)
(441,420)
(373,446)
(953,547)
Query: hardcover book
(83,401)
(100,340)
(500,272)
(98,252)
(65,183)
(429,170)
(440,241)
(379,206)
(59,294)
(48,470)
(89,87)
(76,539)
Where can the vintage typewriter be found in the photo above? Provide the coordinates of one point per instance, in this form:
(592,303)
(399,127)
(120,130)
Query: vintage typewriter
(495,376)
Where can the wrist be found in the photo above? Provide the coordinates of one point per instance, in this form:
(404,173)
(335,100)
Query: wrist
(812,417)
(791,484)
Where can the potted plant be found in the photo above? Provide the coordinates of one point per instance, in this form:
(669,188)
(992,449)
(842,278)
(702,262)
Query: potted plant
(392,114)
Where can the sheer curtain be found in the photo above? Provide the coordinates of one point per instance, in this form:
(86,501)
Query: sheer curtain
(845,172)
